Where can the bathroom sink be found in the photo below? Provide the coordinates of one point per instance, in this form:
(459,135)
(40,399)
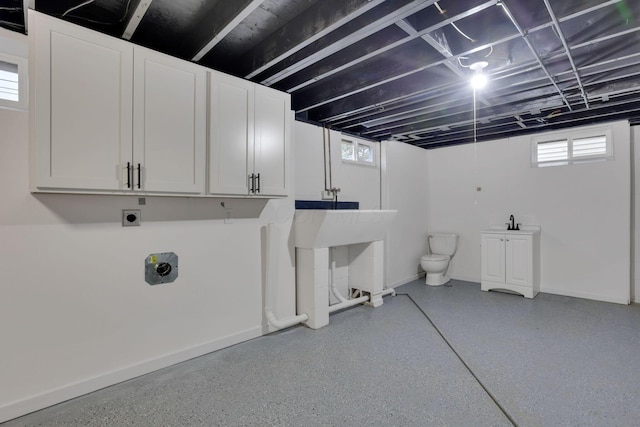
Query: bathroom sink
(326,228)
(525,229)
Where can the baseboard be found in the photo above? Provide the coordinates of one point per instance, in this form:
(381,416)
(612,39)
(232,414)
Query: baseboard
(404,281)
(69,391)
(466,279)
(585,295)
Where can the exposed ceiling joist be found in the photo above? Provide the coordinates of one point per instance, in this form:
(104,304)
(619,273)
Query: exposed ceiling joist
(136,18)
(359,56)
(314,23)
(398,69)
(428,38)
(221,22)
(563,40)
(388,14)
(525,37)
(389,90)
(26,5)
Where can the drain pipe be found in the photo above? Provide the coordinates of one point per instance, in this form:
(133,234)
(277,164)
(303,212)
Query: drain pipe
(355,301)
(269,288)
(344,302)
(348,303)
(334,288)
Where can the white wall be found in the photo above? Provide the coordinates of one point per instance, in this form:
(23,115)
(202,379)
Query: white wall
(397,182)
(635,218)
(583,210)
(404,189)
(76,314)
(357,183)
(75,311)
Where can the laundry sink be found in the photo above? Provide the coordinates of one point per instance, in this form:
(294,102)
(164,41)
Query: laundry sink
(327,228)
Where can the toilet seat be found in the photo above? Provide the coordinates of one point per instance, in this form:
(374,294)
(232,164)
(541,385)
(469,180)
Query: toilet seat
(434,257)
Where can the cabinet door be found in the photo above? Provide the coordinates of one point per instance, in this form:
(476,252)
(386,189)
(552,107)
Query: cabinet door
(272,133)
(81,106)
(492,255)
(170,104)
(518,260)
(230,133)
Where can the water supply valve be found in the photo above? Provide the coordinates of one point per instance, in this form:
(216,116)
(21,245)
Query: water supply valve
(161,268)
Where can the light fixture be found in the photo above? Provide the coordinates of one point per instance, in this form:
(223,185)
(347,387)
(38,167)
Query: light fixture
(479,79)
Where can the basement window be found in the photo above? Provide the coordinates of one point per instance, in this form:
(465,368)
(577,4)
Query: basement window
(359,152)
(589,145)
(13,82)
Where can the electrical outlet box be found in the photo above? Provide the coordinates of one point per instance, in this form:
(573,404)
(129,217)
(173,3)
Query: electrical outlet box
(130,217)
(327,195)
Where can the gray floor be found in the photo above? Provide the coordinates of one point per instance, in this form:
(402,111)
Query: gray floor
(544,362)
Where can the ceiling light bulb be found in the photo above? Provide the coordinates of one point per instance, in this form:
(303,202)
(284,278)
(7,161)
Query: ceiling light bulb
(478,81)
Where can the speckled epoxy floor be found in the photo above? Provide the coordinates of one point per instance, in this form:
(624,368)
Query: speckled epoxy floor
(548,361)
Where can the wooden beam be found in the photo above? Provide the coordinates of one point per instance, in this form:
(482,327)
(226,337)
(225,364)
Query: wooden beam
(226,17)
(136,17)
(360,28)
(311,25)
(26,5)
(348,57)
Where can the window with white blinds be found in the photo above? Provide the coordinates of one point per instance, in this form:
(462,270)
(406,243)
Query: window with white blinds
(553,151)
(590,146)
(9,82)
(566,148)
(13,82)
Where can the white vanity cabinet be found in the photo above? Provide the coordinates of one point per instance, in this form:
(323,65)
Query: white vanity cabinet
(249,138)
(511,261)
(111,117)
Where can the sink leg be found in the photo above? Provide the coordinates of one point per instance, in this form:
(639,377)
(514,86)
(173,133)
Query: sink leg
(366,270)
(374,300)
(312,285)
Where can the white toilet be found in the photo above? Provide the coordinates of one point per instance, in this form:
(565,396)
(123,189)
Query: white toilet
(442,247)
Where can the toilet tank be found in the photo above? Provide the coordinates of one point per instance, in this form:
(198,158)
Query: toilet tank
(443,243)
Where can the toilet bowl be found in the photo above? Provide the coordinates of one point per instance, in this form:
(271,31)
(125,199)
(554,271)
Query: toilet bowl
(442,247)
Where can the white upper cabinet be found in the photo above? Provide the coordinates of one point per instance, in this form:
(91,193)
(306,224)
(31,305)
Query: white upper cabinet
(170,123)
(112,117)
(81,108)
(271,140)
(249,138)
(231,133)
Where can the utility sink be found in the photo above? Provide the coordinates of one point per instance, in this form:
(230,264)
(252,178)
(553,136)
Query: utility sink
(327,228)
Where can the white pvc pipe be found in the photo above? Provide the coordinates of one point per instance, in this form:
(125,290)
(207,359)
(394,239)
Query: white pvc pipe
(284,323)
(347,303)
(269,279)
(336,293)
(334,288)
(350,302)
